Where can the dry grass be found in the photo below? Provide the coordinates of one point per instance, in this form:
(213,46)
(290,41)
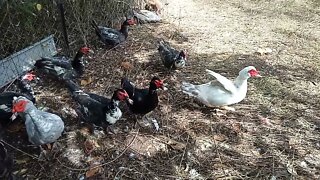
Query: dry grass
(193,142)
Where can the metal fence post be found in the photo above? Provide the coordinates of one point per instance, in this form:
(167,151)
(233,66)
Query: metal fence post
(64,28)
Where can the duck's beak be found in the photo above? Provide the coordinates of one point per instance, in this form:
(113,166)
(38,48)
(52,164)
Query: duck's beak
(130,101)
(14,116)
(91,51)
(164,87)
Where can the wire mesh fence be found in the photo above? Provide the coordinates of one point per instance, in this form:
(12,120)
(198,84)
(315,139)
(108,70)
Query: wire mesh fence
(23,23)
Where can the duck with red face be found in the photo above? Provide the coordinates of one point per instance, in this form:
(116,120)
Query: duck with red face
(144,100)
(62,67)
(43,128)
(221,91)
(113,37)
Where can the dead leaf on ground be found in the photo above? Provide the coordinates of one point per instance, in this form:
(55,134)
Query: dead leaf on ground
(264,120)
(290,168)
(89,146)
(219,137)
(85,131)
(176,145)
(87,81)
(22,161)
(126,66)
(94,161)
(147,146)
(22,171)
(93,171)
(264,51)
(256,152)
(236,127)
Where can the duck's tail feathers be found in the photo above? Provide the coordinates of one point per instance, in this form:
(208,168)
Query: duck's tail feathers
(162,44)
(41,63)
(128,86)
(94,25)
(189,89)
(72,86)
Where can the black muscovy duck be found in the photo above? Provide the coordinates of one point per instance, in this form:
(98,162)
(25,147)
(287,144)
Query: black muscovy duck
(171,58)
(144,100)
(98,110)
(6,98)
(113,37)
(62,67)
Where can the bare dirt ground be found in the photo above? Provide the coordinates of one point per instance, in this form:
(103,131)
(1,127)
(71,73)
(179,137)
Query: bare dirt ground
(274,133)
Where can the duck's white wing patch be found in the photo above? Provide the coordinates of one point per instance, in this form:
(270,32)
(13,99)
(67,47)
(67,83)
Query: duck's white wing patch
(222,81)
(5,108)
(113,116)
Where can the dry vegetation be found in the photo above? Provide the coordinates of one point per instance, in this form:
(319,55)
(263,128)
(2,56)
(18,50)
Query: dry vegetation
(274,134)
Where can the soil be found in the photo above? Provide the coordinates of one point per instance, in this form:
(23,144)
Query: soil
(273,134)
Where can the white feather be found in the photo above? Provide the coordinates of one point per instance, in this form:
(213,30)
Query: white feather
(114,116)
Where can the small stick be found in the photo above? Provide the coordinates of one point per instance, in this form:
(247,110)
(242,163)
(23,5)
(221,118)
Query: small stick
(184,152)
(110,50)
(10,84)
(34,157)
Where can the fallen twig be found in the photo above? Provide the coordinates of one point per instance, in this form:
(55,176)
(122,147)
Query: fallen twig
(34,157)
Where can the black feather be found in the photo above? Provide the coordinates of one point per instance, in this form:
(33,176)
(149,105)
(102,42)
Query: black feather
(144,100)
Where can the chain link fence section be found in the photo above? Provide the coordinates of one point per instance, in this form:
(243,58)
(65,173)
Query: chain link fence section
(23,23)
(19,63)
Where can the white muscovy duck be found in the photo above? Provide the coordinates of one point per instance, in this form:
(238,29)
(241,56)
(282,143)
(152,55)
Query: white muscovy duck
(43,128)
(145,16)
(222,91)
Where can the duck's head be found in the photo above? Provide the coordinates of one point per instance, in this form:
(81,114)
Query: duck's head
(20,104)
(30,76)
(180,61)
(248,72)
(122,95)
(129,22)
(156,83)
(85,50)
